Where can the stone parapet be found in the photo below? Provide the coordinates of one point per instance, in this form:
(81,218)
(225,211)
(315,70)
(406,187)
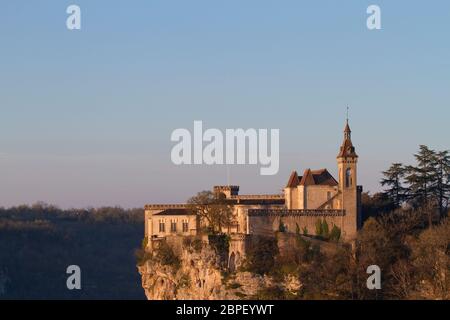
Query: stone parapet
(258,197)
(296,212)
(165,206)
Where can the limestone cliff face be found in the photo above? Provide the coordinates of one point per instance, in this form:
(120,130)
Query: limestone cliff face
(200,277)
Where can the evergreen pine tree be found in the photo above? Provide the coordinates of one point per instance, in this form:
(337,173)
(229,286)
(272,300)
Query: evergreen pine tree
(442,185)
(319,228)
(421,178)
(393,180)
(305,231)
(422,181)
(335,233)
(325,229)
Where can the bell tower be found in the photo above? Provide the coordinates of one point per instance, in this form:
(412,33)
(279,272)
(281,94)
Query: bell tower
(347,160)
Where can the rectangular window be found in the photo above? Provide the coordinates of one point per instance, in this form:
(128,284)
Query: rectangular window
(328,195)
(185,226)
(162,226)
(348,178)
(173,226)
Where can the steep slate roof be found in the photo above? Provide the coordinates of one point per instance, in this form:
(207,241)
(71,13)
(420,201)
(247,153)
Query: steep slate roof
(312,177)
(307,178)
(323,177)
(293,180)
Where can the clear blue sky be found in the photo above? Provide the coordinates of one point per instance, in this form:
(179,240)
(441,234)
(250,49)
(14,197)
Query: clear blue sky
(86,116)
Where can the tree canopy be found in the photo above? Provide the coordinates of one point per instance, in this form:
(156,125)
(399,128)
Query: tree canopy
(424,184)
(214,211)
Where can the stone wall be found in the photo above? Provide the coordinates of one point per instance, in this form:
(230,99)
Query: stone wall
(267,224)
(152,225)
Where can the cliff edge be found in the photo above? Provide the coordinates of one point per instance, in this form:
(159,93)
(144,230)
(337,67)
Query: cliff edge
(200,275)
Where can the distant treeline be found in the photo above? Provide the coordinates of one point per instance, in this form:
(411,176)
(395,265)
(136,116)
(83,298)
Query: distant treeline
(39,242)
(42,210)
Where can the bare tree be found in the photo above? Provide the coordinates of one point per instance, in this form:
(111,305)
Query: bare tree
(214,211)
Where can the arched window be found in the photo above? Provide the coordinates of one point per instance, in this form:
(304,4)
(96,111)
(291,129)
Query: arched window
(348,178)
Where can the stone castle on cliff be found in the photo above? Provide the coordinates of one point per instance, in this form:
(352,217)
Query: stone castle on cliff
(315,195)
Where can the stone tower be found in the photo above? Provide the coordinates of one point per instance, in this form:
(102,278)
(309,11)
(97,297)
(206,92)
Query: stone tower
(350,192)
(227,191)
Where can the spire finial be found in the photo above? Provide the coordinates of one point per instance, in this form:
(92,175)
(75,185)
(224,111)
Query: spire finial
(347,113)
(347,130)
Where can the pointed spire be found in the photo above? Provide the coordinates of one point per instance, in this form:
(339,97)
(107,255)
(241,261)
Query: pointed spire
(347,131)
(347,149)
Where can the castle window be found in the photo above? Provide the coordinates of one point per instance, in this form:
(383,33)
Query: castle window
(328,195)
(173,226)
(185,226)
(348,178)
(162,226)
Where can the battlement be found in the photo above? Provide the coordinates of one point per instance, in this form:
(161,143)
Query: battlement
(230,187)
(296,212)
(164,206)
(258,197)
(227,190)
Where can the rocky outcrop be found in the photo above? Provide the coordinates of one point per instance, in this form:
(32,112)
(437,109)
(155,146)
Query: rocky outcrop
(201,276)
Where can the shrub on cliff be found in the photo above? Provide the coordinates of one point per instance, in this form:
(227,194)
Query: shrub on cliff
(166,256)
(327,276)
(141,256)
(305,249)
(187,241)
(220,244)
(261,255)
(192,244)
